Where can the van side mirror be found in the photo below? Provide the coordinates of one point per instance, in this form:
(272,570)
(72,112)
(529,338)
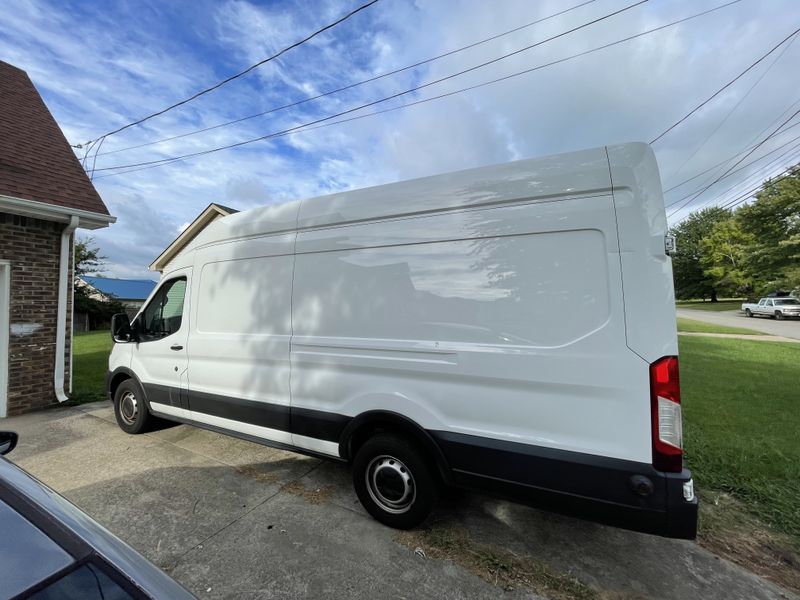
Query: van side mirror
(121,330)
(8,441)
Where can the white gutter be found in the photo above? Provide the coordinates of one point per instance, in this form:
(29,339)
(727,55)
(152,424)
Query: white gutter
(52,212)
(5,315)
(71,314)
(61,319)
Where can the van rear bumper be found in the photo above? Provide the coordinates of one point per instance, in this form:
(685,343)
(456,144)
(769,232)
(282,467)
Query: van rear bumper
(681,512)
(616,492)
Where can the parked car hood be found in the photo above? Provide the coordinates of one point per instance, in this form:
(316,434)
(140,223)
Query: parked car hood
(143,574)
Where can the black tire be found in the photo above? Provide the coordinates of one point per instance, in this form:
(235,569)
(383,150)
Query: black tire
(748,312)
(381,471)
(130,409)
(779,316)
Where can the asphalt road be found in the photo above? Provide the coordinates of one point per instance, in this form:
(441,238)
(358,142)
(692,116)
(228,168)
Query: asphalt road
(786,328)
(233,519)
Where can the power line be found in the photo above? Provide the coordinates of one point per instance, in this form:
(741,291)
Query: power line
(723,88)
(312,125)
(771,165)
(306,126)
(751,177)
(774,178)
(94,160)
(742,167)
(397,95)
(730,158)
(761,187)
(722,195)
(766,128)
(737,163)
(241,73)
(749,146)
(741,198)
(737,105)
(352,85)
(393,96)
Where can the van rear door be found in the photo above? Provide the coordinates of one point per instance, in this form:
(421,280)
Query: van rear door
(648,292)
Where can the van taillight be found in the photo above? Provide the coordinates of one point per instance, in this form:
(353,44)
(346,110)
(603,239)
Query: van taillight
(665,398)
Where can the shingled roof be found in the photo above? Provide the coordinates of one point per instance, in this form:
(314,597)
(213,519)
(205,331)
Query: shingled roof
(36,161)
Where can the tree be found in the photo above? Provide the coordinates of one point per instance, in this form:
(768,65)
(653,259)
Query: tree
(87,258)
(773,220)
(755,250)
(725,256)
(691,279)
(88,261)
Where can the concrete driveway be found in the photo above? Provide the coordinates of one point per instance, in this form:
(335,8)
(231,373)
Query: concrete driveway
(229,518)
(734,318)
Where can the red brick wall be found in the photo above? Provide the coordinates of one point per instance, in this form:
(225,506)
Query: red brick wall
(33,248)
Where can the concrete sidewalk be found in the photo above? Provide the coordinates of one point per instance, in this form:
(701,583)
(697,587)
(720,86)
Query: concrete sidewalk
(734,318)
(229,518)
(740,336)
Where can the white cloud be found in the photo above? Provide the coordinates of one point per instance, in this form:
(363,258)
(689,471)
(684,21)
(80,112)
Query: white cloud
(99,69)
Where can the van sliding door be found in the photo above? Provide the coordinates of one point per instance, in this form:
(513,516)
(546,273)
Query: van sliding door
(239,341)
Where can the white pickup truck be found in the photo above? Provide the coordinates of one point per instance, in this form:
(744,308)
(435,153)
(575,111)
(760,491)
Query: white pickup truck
(775,308)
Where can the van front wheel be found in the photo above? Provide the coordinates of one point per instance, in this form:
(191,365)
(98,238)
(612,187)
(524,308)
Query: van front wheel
(129,408)
(394,481)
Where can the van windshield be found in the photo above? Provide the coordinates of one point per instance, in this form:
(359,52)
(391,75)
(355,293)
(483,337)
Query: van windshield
(789,301)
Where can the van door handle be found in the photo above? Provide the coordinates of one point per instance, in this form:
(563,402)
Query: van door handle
(176,347)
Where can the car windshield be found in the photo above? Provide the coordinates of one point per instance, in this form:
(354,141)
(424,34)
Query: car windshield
(789,301)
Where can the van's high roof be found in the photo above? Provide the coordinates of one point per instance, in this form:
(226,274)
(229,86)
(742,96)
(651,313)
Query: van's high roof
(584,172)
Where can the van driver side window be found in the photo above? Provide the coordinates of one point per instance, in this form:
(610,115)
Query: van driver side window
(163,316)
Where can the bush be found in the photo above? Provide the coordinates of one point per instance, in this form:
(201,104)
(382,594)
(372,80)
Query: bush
(99,312)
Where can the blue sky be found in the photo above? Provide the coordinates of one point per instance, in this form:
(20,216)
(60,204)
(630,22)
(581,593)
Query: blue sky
(101,65)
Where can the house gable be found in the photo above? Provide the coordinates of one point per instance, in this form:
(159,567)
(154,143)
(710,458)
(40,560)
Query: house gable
(211,213)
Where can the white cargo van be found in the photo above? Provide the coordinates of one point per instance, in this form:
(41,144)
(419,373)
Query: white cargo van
(508,328)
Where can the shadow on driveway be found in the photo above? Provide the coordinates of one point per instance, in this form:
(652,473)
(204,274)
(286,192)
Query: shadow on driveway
(228,518)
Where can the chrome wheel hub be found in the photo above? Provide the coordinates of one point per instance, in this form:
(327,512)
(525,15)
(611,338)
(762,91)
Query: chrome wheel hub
(128,408)
(390,484)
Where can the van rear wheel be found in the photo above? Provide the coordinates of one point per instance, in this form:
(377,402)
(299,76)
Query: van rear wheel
(748,312)
(129,408)
(395,482)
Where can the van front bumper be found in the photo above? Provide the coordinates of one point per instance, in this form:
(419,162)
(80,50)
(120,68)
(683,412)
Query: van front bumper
(108,384)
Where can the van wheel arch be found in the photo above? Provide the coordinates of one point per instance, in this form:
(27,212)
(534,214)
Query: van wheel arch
(367,425)
(123,374)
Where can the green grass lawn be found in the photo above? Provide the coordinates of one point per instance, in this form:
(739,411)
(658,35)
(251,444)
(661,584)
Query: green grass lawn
(741,402)
(692,326)
(713,306)
(90,362)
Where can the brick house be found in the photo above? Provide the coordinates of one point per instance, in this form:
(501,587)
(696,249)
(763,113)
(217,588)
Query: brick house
(44,196)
